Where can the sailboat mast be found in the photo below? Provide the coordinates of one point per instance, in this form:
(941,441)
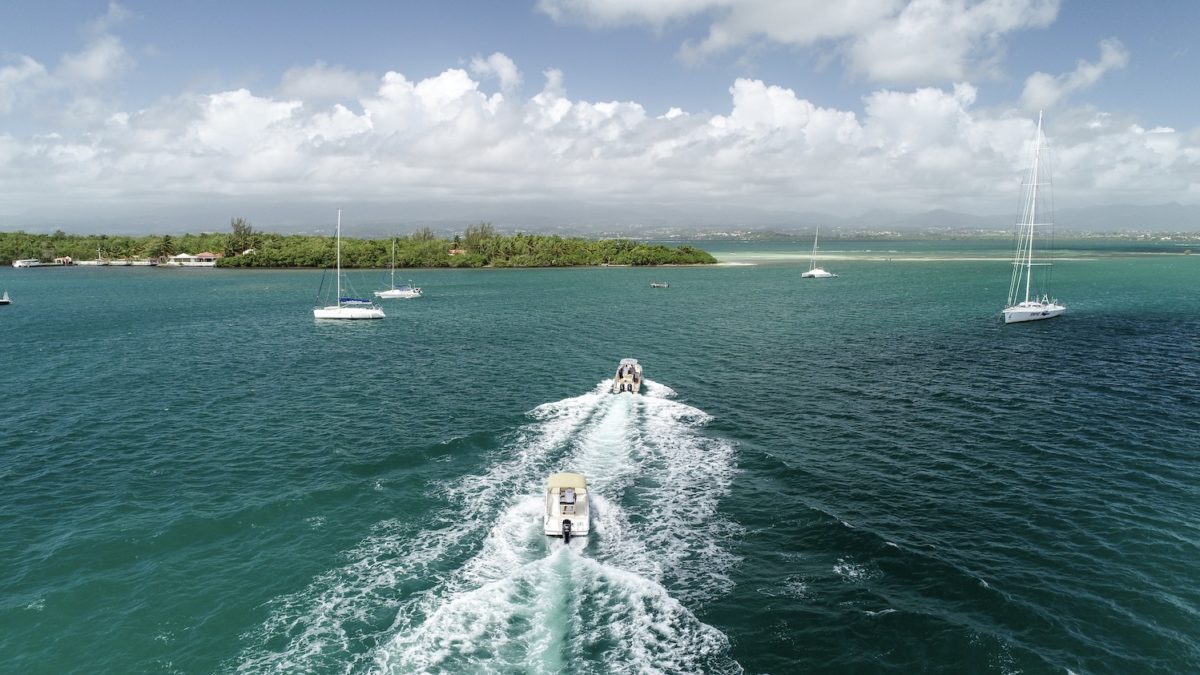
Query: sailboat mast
(812,261)
(339,258)
(393,262)
(1034,178)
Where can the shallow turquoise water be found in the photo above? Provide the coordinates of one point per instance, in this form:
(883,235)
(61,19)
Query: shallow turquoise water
(868,474)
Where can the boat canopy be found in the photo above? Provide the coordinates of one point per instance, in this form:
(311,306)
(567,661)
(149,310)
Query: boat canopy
(629,362)
(566,480)
(356,301)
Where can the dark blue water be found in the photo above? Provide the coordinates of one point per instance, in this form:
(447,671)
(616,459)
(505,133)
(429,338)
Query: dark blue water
(865,474)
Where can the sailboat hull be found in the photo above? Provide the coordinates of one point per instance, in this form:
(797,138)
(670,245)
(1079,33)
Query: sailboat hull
(399,293)
(817,273)
(335,312)
(1032,311)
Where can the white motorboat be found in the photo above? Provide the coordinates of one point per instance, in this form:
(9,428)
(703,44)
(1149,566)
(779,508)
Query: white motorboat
(4,299)
(568,513)
(628,378)
(27,262)
(403,291)
(1036,211)
(659,284)
(346,308)
(815,272)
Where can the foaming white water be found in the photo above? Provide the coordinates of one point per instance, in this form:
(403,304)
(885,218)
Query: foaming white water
(480,588)
(562,609)
(674,477)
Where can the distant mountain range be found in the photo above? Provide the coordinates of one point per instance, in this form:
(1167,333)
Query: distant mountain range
(1172,217)
(1117,218)
(606,219)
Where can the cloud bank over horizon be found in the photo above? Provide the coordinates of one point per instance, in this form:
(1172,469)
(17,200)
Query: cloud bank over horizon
(470,140)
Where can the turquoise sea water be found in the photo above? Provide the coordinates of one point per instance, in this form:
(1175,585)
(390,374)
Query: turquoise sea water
(865,474)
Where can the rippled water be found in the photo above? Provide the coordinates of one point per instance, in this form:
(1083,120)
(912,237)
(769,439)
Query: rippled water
(865,474)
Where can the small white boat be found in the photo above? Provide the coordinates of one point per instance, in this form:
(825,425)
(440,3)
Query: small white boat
(27,262)
(815,272)
(4,300)
(403,291)
(1036,206)
(346,308)
(628,378)
(567,510)
(660,284)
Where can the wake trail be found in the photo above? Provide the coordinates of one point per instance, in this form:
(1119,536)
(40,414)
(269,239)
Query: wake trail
(480,588)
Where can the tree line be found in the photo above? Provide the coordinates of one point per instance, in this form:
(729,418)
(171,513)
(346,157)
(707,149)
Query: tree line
(479,246)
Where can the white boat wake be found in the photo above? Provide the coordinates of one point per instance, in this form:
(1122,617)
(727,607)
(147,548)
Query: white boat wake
(514,600)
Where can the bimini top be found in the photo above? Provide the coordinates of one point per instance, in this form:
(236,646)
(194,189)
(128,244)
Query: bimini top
(566,480)
(628,362)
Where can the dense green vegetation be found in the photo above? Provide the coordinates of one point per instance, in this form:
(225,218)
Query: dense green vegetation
(480,246)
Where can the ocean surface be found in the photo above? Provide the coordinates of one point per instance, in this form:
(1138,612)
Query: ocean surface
(869,474)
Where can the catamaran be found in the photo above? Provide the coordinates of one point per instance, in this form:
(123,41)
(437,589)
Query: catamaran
(395,291)
(1035,207)
(815,272)
(346,308)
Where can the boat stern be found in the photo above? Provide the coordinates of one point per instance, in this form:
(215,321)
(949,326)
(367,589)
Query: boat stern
(628,378)
(567,507)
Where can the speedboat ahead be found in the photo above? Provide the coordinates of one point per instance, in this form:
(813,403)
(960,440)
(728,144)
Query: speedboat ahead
(567,511)
(628,378)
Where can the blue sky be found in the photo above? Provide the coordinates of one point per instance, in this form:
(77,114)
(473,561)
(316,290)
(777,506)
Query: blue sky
(166,116)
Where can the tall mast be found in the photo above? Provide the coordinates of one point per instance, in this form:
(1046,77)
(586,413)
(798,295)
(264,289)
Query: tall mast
(812,261)
(339,258)
(393,262)
(1034,178)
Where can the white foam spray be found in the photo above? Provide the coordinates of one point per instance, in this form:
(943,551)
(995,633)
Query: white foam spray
(514,600)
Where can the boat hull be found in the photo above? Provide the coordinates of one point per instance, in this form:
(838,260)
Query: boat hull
(396,293)
(1032,312)
(348,313)
(817,273)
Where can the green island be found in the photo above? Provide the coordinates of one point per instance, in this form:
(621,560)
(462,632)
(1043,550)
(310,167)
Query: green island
(479,246)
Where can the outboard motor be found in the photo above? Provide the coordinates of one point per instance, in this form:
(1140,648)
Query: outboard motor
(566,530)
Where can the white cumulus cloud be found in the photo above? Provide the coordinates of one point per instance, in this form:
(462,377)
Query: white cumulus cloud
(446,142)
(20,80)
(498,66)
(943,40)
(896,41)
(323,82)
(102,60)
(1043,91)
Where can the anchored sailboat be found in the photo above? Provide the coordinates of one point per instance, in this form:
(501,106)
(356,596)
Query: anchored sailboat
(815,272)
(1036,211)
(346,308)
(404,291)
